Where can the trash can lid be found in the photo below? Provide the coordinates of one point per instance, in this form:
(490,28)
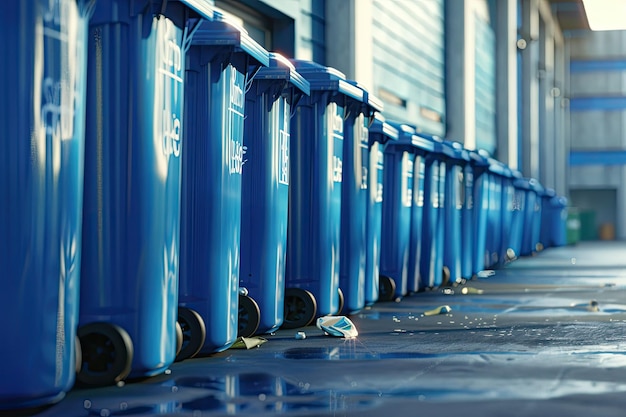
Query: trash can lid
(223,31)
(322,78)
(454,151)
(408,136)
(536,185)
(549,192)
(516,174)
(373,102)
(478,160)
(280,68)
(381,131)
(529,184)
(499,168)
(559,201)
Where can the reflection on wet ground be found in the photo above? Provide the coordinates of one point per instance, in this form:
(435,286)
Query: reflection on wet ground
(544,335)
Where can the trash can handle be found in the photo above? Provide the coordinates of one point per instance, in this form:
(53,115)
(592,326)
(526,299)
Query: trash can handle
(188,34)
(250,75)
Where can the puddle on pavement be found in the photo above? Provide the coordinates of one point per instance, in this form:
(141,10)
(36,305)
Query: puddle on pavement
(230,394)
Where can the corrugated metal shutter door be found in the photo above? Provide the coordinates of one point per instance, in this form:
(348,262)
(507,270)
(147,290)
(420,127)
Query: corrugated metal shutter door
(485,85)
(409,70)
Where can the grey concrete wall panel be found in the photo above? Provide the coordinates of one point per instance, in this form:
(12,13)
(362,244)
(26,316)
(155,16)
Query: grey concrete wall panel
(485,62)
(309,26)
(408,54)
(598,129)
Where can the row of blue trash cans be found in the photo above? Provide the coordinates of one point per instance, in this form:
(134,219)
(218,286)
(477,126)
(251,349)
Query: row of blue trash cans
(171,185)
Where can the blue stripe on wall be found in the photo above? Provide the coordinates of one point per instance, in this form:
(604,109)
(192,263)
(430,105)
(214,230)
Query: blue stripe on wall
(597,65)
(614,157)
(597,103)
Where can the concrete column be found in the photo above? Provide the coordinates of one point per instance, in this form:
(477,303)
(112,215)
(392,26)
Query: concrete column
(620,221)
(567,129)
(506,81)
(547,145)
(460,72)
(560,108)
(349,39)
(530,88)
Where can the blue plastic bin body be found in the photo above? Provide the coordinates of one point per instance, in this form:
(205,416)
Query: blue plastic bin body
(560,217)
(431,256)
(220,60)
(516,229)
(455,158)
(468,227)
(414,281)
(354,198)
(506,252)
(270,103)
(42,121)
(532,213)
(553,219)
(425,148)
(313,232)
(494,239)
(538,222)
(396,222)
(403,209)
(480,215)
(546,231)
(133,155)
(380,133)
(554,212)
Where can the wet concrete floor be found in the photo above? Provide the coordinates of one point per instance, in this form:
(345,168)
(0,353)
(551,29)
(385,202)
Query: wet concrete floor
(527,341)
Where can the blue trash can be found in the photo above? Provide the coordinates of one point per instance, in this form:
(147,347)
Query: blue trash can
(516,229)
(466,202)
(532,215)
(431,256)
(538,223)
(481,193)
(494,241)
(270,104)
(354,199)
(507,253)
(380,133)
(42,127)
(221,63)
(455,157)
(129,276)
(545,233)
(403,207)
(554,213)
(316,165)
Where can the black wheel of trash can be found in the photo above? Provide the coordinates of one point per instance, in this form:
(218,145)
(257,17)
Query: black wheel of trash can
(342,301)
(386,288)
(194,333)
(79,354)
(107,354)
(300,308)
(445,276)
(179,338)
(249,316)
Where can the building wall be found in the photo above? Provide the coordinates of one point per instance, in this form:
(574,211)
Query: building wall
(598,126)
(485,62)
(309,26)
(409,61)
(450,68)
